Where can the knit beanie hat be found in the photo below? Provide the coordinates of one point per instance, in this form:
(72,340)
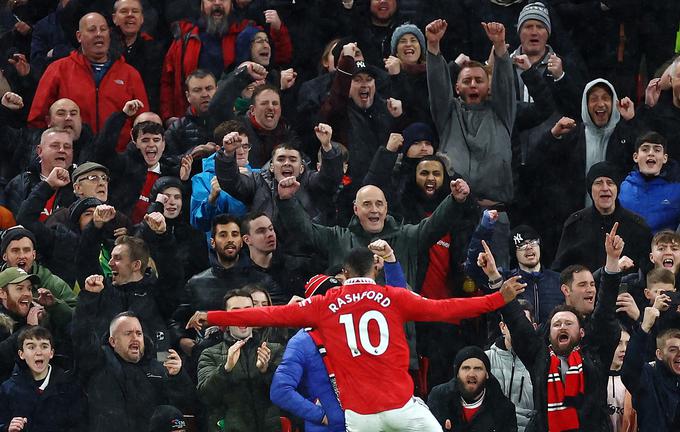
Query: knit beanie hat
(16,232)
(166,418)
(162,184)
(243,42)
(406,29)
(602,169)
(417,132)
(319,284)
(469,352)
(78,208)
(523,233)
(534,11)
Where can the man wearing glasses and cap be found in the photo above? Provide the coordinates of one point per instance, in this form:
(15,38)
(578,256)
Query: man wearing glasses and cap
(543,285)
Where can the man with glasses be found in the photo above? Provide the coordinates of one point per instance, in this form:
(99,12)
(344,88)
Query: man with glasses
(543,285)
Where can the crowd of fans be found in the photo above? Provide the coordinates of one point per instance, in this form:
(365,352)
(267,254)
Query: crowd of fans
(159,158)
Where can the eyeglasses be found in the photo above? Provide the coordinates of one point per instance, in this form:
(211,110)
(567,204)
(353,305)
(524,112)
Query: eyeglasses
(245,147)
(526,245)
(95,178)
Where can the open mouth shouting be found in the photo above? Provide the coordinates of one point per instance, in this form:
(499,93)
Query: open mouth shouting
(430,187)
(601,116)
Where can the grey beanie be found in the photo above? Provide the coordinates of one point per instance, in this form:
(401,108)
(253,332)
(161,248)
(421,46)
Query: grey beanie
(534,11)
(406,29)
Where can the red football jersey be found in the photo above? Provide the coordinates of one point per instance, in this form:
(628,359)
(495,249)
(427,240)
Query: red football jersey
(362,326)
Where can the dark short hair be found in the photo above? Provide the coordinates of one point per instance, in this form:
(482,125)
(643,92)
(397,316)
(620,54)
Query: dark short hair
(34,332)
(660,275)
(344,153)
(223,219)
(286,145)
(235,293)
(147,127)
(227,127)
(199,74)
(262,88)
(256,287)
(567,275)
(651,138)
(566,308)
(137,249)
(359,261)
(247,219)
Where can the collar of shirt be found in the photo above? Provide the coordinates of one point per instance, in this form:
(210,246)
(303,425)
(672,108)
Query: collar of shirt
(156,168)
(359,280)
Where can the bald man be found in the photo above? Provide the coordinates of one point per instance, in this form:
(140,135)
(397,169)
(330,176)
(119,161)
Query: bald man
(371,222)
(97,82)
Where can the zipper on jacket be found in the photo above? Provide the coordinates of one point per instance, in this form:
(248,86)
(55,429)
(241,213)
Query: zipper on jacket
(512,375)
(537,308)
(521,389)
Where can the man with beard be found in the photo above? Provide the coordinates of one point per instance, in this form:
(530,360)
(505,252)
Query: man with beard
(473,399)
(570,377)
(231,269)
(18,250)
(122,377)
(208,43)
(654,386)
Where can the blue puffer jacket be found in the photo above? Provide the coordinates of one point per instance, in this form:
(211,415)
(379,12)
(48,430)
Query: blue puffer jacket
(657,199)
(202,212)
(301,386)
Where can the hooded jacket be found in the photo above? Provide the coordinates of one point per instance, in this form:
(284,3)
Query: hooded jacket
(656,199)
(514,380)
(477,138)
(563,161)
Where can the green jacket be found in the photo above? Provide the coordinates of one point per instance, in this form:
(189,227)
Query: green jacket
(65,299)
(241,396)
(407,241)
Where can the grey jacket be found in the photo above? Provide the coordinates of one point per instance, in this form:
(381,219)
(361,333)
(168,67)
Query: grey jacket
(515,382)
(476,137)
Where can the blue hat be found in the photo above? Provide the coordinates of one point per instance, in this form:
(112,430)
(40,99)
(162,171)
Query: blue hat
(243,41)
(406,29)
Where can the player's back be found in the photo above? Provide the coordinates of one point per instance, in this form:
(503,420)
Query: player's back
(363,330)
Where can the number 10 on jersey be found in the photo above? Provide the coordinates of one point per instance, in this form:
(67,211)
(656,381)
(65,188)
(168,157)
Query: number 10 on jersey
(384,332)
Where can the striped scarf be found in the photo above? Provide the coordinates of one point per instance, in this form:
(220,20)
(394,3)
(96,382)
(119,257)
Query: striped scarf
(564,397)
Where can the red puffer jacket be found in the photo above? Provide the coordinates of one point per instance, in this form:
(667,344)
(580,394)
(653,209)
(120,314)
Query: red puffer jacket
(72,77)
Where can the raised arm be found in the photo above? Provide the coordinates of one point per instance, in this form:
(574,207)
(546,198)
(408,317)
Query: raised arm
(438,76)
(503,99)
(240,186)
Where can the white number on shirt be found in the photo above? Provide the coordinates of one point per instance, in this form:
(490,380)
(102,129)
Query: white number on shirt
(348,321)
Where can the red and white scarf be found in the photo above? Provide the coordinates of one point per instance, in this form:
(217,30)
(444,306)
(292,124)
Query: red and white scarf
(564,397)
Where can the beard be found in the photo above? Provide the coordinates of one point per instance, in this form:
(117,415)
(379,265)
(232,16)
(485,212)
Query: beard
(216,27)
(470,396)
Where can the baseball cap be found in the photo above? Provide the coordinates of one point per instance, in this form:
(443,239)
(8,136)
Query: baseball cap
(167,418)
(363,67)
(13,275)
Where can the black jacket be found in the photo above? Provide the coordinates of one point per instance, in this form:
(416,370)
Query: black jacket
(581,241)
(122,395)
(188,132)
(497,413)
(152,298)
(57,245)
(597,350)
(59,408)
(19,188)
(128,169)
